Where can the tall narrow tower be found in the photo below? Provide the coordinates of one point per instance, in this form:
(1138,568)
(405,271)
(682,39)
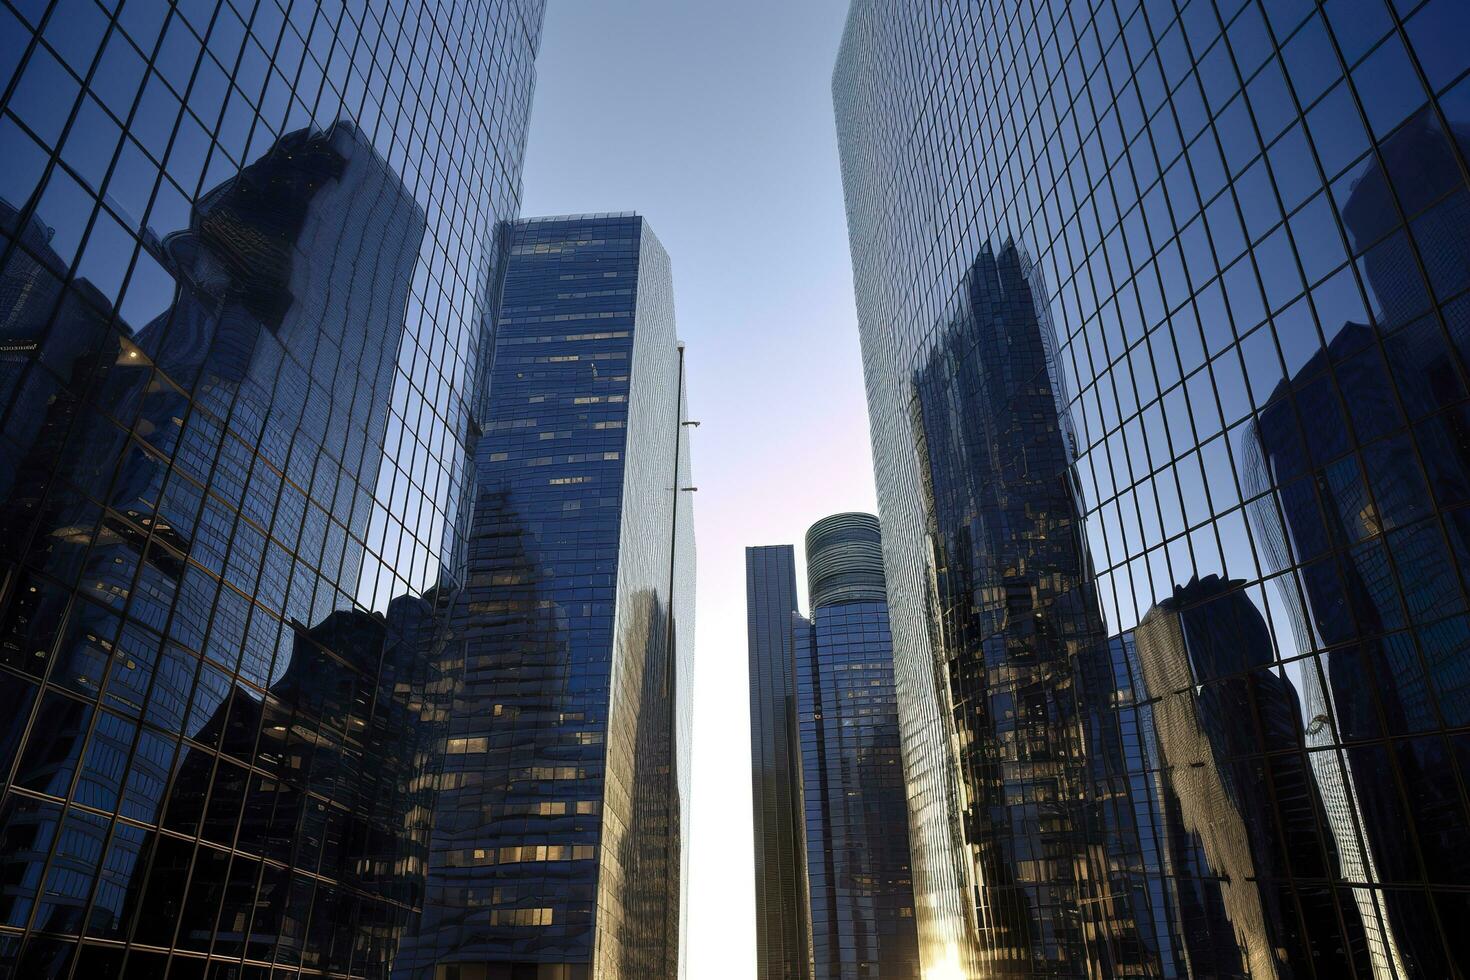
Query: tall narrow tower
(558,840)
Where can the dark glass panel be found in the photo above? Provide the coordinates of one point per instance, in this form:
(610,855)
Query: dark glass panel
(28,829)
(54,745)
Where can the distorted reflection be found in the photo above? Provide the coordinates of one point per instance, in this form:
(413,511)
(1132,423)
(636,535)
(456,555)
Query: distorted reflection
(1198,637)
(178,496)
(1015,610)
(1352,502)
(1242,807)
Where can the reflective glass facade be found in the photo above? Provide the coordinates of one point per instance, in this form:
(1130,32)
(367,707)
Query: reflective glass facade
(772,619)
(557,843)
(241,313)
(842,886)
(1165,327)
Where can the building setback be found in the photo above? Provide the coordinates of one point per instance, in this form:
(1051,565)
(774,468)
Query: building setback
(558,833)
(239,337)
(843,890)
(1164,321)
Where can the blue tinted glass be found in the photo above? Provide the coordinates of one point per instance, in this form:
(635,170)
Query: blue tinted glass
(1270,99)
(1323,530)
(1435,32)
(1337,130)
(49,762)
(1311,61)
(218,370)
(1388,86)
(21,166)
(1357,25)
(44,95)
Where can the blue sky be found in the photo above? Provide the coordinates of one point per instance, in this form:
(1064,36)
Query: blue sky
(714,120)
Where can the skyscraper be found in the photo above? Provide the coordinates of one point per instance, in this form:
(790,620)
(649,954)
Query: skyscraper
(241,320)
(1163,310)
(558,842)
(834,896)
(782,918)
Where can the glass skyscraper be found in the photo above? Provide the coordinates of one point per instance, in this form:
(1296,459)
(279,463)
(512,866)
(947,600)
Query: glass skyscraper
(1165,326)
(782,917)
(834,897)
(558,838)
(248,267)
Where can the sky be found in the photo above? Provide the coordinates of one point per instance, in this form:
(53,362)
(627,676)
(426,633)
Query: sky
(714,121)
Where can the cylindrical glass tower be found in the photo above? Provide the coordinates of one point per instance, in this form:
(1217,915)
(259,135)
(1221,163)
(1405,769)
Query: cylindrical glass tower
(844,555)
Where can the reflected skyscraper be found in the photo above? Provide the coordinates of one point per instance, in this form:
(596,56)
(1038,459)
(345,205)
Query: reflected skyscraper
(1229,735)
(339,788)
(1374,568)
(560,825)
(1159,294)
(834,897)
(218,654)
(1021,628)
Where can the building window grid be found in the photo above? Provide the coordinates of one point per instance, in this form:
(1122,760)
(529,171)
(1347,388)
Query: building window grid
(138,571)
(1238,501)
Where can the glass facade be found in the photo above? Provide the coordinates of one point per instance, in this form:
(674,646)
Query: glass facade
(1165,327)
(557,841)
(840,891)
(248,265)
(857,842)
(772,619)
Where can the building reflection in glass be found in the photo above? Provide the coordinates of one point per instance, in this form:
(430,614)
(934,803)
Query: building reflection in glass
(1242,804)
(239,325)
(1252,219)
(180,501)
(202,431)
(338,784)
(1014,611)
(1352,503)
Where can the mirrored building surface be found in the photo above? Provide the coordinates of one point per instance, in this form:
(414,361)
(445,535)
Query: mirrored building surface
(1164,313)
(772,618)
(836,901)
(557,850)
(241,318)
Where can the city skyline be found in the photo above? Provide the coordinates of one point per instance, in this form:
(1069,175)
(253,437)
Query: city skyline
(352,467)
(834,895)
(765,139)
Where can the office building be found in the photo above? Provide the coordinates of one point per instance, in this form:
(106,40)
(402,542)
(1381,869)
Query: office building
(782,912)
(1164,316)
(241,319)
(558,843)
(834,896)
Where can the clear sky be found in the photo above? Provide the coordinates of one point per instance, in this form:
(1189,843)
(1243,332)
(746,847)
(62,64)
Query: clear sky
(714,121)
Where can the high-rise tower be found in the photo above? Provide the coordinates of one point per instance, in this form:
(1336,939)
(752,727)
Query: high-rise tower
(559,832)
(1164,311)
(772,621)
